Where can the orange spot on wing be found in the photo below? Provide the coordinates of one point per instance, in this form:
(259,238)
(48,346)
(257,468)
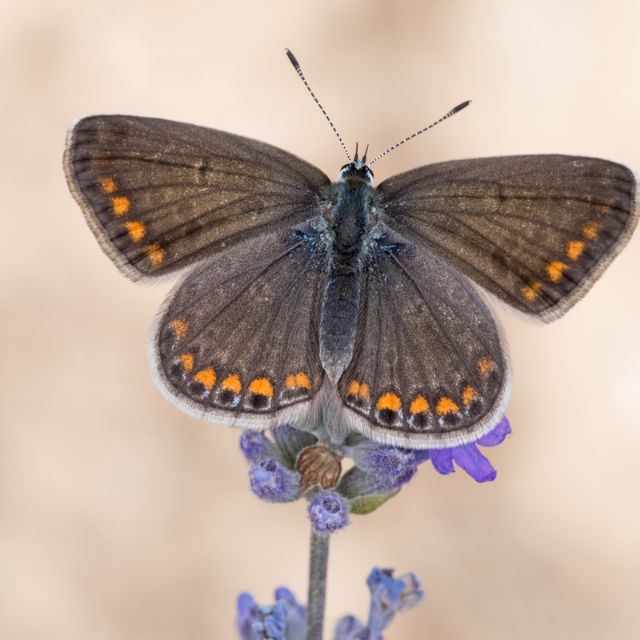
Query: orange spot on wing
(358,389)
(419,405)
(486,365)
(156,254)
(354,388)
(137,230)
(389,401)
(591,230)
(555,270)
(468,395)
(121,205)
(108,185)
(186,360)
(261,387)
(179,328)
(304,381)
(232,383)
(206,377)
(574,249)
(446,406)
(531,291)
(298,381)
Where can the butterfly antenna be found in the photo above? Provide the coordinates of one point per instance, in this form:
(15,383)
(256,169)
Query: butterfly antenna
(453,111)
(296,66)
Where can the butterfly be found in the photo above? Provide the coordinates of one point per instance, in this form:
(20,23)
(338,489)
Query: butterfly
(305,300)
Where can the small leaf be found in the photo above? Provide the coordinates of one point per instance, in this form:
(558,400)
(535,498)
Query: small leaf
(368,504)
(354,439)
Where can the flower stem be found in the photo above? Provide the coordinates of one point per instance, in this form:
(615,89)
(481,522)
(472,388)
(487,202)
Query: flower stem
(318,560)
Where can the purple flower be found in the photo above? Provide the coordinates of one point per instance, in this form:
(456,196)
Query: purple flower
(329,511)
(390,467)
(256,446)
(272,482)
(389,596)
(285,620)
(468,456)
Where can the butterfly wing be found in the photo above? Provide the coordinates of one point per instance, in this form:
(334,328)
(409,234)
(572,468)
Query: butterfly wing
(160,195)
(429,367)
(536,231)
(238,340)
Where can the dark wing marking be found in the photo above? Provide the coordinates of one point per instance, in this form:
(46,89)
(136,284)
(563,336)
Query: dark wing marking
(160,195)
(429,368)
(536,231)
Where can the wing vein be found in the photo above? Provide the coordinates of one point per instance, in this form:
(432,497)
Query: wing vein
(443,333)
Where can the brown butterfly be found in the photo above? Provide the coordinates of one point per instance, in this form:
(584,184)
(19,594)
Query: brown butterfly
(305,300)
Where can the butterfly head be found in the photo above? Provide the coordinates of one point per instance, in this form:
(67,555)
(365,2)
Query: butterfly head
(358,170)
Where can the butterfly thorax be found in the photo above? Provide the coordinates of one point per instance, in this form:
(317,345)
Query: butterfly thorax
(350,217)
(349,210)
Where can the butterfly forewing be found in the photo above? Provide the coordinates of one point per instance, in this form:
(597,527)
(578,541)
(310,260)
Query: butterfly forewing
(238,340)
(161,195)
(536,231)
(429,367)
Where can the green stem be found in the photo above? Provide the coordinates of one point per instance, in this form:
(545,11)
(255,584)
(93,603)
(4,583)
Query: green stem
(318,560)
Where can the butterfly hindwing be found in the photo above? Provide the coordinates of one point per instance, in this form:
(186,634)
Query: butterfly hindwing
(161,195)
(536,231)
(238,339)
(429,367)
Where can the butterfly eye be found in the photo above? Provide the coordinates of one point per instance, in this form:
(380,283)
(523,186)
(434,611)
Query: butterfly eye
(345,170)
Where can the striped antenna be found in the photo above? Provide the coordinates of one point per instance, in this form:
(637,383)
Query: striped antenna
(296,66)
(453,111)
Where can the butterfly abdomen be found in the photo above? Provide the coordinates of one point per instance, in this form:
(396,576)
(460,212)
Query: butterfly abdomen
(339,316)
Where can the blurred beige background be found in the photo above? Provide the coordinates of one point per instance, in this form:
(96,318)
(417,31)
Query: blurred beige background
(120,517)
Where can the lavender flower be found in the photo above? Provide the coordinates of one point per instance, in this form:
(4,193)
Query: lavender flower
(389,596)
(329,511)
(273,482)
(256,446)
(378,469)
(377,475)
(389,467)
(285,620)
(468,457)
